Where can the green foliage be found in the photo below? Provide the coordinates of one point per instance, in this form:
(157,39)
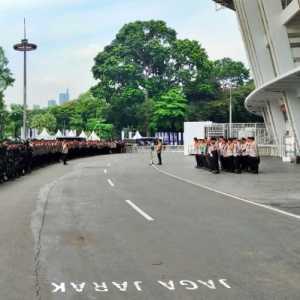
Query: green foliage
(240,114)
(169,111)
(124,105)
(230,71)
(5,75)
(77,114)
(143,62)
(5,81)
(218,110)
(15,120)
(44,120)
(144,115)
(103,130)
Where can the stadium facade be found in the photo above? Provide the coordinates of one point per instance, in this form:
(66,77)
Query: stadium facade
(271,34)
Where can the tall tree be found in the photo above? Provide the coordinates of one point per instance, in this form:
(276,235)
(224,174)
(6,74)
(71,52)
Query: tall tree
(170,111)
(15,119)
(230,71)
(218,110)
(45,120)
(144,61)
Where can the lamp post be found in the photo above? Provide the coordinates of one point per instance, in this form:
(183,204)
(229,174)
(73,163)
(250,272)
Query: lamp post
(230,110)
(228,85)
(25,47)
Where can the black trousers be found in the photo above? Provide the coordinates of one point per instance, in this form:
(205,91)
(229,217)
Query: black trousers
(253,164)
(244,162)
(222,162)
(206,162)
(237,164)
(229,163)
(202,160)
(214,161)
(64,157)
(159,158)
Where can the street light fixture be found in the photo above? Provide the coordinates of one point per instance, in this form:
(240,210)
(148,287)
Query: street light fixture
(228,85)
(230,110)
(25,47)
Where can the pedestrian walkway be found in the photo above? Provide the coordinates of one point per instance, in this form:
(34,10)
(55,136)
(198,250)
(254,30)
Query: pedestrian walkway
(278,183)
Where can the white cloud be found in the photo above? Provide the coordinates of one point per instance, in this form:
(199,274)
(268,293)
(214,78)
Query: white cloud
(88,52)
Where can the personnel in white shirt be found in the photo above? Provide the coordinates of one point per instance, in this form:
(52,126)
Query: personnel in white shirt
(245,155)
(237,152)
(253,158)
(228,156)
(222,147)
(213,156)
(197,152)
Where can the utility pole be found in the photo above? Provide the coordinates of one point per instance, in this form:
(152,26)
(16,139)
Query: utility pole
(25,47)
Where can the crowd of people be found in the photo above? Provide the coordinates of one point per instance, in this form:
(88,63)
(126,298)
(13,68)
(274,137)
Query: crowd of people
(229,155)
(17,159)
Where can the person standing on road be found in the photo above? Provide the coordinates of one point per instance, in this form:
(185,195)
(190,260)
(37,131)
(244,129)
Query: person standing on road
(214,157)
(196,152)
(151,153)
(245,153)
(254,159)
(229,156)
(65,151)
(158,151)
(237,152)
(222,149)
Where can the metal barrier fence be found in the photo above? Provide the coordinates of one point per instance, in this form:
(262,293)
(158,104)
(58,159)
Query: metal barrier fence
(167,148)
(240,130)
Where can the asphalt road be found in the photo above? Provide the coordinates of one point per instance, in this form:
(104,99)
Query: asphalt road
(113,227)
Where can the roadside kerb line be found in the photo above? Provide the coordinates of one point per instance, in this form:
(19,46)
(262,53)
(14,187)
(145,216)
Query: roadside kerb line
(110,182)
(141,212)
(229,195)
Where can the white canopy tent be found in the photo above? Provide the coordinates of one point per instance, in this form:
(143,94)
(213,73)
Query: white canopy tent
(137,136)
(58,134)
(94,137)
(83,135)
(44,135)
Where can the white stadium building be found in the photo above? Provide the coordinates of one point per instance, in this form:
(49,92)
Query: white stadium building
(271,34)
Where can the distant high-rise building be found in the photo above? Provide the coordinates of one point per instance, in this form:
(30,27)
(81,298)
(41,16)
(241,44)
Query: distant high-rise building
(67,95)
(64,97)
(51,103)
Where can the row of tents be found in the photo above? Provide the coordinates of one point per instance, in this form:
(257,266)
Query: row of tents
(45,135)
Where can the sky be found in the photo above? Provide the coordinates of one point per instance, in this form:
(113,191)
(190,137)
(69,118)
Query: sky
(70,33)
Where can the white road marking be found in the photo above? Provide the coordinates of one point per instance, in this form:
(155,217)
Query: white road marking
(137,286)
(105,171)
(141,212)
(110,182)
(229,195)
